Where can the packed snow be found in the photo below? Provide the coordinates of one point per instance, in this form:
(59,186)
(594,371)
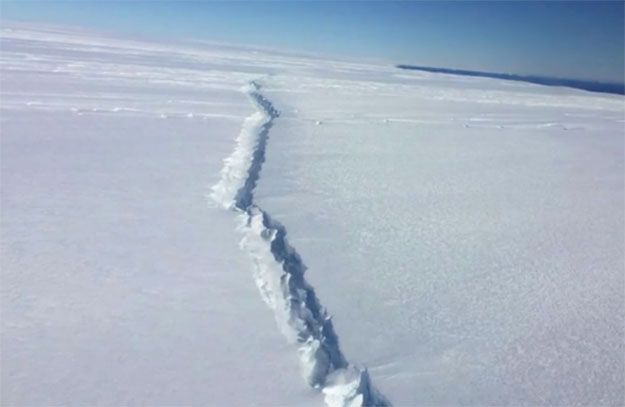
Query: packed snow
(188,223)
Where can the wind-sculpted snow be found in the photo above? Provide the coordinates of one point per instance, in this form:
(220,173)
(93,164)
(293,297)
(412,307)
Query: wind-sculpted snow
(279,271)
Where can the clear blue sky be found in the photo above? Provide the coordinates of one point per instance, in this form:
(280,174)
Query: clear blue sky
(582,40)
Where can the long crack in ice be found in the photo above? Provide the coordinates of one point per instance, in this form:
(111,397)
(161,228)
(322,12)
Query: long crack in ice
(279,270)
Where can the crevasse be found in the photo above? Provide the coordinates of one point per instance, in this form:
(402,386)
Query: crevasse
(279,270)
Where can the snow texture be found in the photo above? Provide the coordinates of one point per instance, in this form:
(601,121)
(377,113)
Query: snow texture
(467,233)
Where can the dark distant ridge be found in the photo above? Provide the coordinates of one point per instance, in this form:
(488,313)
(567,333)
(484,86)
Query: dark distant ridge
(592,86)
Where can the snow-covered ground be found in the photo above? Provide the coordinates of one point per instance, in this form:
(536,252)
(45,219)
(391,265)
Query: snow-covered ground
(119,284)
(466,234)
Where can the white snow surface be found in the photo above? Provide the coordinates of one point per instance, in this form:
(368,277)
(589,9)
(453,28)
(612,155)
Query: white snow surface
(466,234)
(120,285)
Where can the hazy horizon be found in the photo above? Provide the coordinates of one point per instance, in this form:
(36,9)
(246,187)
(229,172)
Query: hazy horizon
(578,40)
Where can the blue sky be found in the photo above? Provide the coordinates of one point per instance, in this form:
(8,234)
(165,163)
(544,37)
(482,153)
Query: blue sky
(582,40)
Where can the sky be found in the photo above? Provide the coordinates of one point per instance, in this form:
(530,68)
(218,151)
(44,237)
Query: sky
(579,40)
